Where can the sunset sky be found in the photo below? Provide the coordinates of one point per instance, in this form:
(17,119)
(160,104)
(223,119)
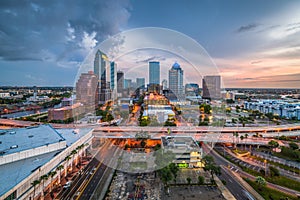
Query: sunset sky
(254,43)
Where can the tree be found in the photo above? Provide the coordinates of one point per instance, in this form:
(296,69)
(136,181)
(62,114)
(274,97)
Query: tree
(51,174)
(67,158)
(143,143)
(209,165)
(73,153)
(200,180)
(188,179)
(59,168)
(293,146)
(242,138)
(174,170)
(273,144)
(274,171)
(261,182)
(43,178)
(34,184)
(165,175)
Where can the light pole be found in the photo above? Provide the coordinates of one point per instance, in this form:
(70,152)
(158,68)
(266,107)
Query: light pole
(265,162)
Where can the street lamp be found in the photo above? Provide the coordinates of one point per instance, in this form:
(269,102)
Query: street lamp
(265,162)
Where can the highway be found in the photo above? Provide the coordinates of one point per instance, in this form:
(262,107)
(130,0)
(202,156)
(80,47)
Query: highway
(233,186)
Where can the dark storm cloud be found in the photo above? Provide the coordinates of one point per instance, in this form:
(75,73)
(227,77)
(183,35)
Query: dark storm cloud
(51,30)
(246,28)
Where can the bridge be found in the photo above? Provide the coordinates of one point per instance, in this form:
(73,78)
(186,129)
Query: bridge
(201,133)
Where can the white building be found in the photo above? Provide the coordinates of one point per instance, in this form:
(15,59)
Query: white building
(26,154)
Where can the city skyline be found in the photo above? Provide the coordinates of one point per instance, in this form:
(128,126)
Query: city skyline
(251,49)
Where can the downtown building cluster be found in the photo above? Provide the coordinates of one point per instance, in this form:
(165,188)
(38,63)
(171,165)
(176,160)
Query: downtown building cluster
(107,83)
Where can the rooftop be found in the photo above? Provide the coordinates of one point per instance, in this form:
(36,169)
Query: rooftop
(17,140)
(13,173)
(176,66)
(72,135)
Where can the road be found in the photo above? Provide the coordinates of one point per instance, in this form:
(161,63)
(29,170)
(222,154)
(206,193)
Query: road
(94,187)
(233,186)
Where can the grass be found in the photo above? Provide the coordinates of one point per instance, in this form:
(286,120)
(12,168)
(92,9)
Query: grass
(268,193)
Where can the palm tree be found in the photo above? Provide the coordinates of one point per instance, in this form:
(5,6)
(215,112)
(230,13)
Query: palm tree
(67,160)
(59,168)
(51,174)
(79,153)
(35,183)
(188,179)
(242,138)
(43,179)
(210,165)
(73,153)
(261,182)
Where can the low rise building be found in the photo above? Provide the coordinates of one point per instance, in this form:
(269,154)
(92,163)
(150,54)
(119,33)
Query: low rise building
(29,153)
(186,150)
(66,113)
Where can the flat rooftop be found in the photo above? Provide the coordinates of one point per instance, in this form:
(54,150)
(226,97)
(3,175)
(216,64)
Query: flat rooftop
(21,139)
(177,142)
(72,135)
(13,173)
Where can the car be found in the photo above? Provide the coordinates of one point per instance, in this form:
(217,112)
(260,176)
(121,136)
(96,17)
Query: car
(67,185)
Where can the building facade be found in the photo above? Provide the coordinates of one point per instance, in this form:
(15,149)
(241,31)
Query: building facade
(101,64)
(140,83)
(113,79)
(120,83)
(87,91)
(154,72)
(176,81)
(211,87)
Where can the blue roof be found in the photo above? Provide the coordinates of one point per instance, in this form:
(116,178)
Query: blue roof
(176,66)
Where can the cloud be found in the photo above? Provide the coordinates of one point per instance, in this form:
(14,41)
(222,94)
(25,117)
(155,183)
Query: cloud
(246,28)
(256,62)
(57,30)
(152,58)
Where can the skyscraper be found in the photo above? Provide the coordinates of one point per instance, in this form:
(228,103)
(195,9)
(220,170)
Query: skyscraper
(176,81)
(154,72)
(120,81)
(113,79)
(100,67)
(211,86)
(140,83)
(87,90)
(127,83)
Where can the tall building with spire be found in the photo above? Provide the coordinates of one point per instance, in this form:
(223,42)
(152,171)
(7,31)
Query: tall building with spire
(101,64)
(176,81)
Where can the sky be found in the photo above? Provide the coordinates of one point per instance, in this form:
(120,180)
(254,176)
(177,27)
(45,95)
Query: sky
(252,43)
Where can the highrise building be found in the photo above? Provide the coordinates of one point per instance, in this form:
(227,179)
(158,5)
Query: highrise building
(101,64)
(127,83)
(140,83)
(211,87)
(176,81)
(154,72)
(87,90)
(113,79)
(120,82)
